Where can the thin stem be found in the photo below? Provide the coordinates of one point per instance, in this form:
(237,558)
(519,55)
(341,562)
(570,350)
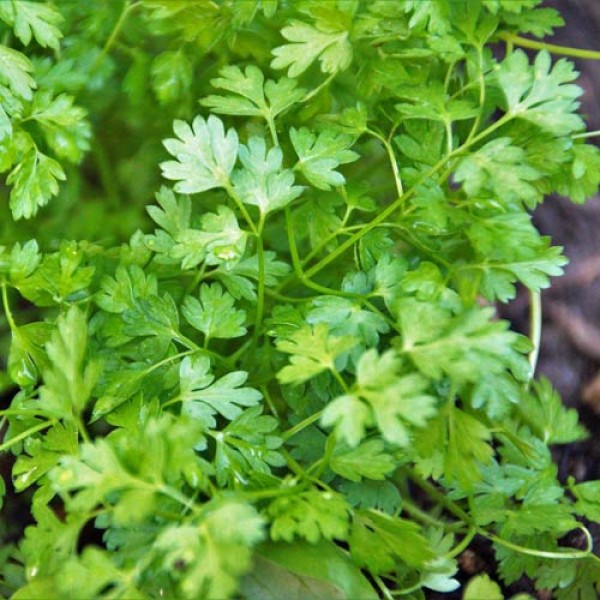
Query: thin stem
(242,208)
(26,434)
(482,93)
(387,595)
(339,379)
(198,277)
(82,429)
(535,327)
(393,162)
(273,131)
(260,303)
(414,511)
(552,48)
(316,90)
(399,202)
(286,435)
(567,555)
(7,311)
(587,134)
(127,8)
(463,544)
(269,400)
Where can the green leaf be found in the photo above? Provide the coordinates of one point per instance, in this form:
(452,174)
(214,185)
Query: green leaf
(152,316)
(312,515)
(248,446)
(332,49)
(33,19)
(262,182)
(70,378)
(43,454)
(121,292)
(500,167)
(63,124)
(250,95)
(15,72)
(34,180)
(541,93)
(396,402)
(214,314)
(346,317)
(172,76)
(378,542)
(367,460)
(212,553)
(482,586)
(548,418)
(313,351)
(459,347)
(205,155)
(303,571)
(202,396)
(320,154)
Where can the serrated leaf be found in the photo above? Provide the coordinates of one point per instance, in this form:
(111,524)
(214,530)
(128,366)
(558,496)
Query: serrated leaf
(311,515)
(203,396)
(367,460)
(34,180)
(379,541)
(320,154)
(332,49)
(262,182)
(250,95)
(541,93)
(172,76)
(313,351)
(214,314)
(545,413)
(501,168)
(33,20)
(15,72)
(205,155)
(70,378)
(213,553)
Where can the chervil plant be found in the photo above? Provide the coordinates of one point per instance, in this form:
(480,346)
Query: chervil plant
(290,381)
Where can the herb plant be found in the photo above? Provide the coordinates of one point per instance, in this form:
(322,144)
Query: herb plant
(288,379)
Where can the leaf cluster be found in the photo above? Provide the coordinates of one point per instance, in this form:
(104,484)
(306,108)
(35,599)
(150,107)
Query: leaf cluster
(285,376)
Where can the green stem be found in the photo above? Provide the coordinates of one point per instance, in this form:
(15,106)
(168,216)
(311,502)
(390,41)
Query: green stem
(316,90)
(7,311)
(339,379)
(260,303)
(399,202)
(273,131)
(463,544)
(585,135)
(286,435)
(535,327)
(242,207)
(552,48)
(387,595)
(127,8)
(82,429)
(392,158)
(414,511)
(567,555)
(482,93)
(26,434)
